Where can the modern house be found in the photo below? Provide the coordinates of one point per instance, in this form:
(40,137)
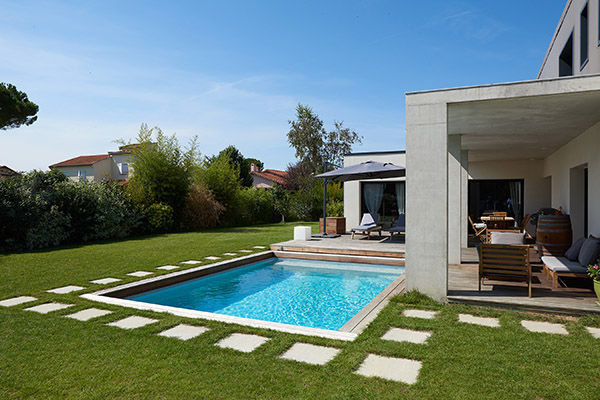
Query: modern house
(267,178)
(538,141)
(113,166)
(6,173)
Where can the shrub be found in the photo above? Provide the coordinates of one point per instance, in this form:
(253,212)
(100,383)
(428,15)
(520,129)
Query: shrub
(253,206)
(201,209)
(335,209)
(160,217)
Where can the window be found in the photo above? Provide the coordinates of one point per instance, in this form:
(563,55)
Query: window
(583,37)
(123,168)
(489,195)
(565,61)
(386,199)
(82,174)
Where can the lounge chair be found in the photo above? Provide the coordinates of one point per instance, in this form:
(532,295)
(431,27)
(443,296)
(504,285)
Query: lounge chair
(368,224)
(399,227)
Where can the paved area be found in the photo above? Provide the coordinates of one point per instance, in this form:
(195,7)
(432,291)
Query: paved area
(395,369)
(191,262)
(133,322)
(90,313)
(139,274)
(544,327)
(48,307)
(423,314)
(244,251)
(406,335)
(212,258)
(15,301)
(184,332)
(595,332)
(242,342)
(105,281)
(168,267)
(310,353)
(483,321)
(259,247)
(66,289)
(230,254)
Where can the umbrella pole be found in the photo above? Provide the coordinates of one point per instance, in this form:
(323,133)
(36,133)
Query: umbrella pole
(324,207)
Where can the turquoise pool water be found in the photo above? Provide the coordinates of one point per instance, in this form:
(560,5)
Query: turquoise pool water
(318,294)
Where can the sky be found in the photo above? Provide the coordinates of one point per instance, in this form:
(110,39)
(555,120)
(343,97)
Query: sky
(232,72)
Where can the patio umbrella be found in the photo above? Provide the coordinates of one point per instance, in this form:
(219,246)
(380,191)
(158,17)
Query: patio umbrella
(366,170)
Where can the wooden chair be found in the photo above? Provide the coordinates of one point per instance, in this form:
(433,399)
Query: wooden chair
(502,262)
(500,214)
(479,229)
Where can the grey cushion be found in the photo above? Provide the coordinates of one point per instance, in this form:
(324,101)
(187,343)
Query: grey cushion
(590,250)
(573,252)
(507,238)
(563,264)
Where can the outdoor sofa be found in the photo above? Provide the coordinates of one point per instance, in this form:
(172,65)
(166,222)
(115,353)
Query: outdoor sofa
(575,261)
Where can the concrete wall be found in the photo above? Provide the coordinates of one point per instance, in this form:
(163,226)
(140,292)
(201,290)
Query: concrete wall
(569,23)
(562,166)
(103,170)
(352,193)
(73,175)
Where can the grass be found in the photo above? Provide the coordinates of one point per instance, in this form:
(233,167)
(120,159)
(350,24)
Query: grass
(48,356)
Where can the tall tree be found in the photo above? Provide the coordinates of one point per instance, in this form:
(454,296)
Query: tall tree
(238,161)
(313,144)
(15,108)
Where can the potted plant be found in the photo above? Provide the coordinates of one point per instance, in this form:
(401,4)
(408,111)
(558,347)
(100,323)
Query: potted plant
(594,272)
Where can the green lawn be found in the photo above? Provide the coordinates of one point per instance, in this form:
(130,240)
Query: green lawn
(48,356)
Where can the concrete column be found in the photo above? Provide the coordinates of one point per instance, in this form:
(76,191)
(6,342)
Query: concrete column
(455,211)
(464,183)
(426,198)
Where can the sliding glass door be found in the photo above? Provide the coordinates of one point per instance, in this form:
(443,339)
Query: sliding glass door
(488,196)
(386,199)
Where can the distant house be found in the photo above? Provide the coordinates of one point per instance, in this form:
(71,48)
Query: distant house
(114,165)
(267,178)
(6,173)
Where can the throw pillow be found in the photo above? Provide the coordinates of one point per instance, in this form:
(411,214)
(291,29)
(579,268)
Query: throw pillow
(507,238)
(573,252)
(589,252)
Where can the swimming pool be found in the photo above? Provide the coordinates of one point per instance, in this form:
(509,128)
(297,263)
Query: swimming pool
(309,293)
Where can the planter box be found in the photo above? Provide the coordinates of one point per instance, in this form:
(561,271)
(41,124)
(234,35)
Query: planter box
(335,225)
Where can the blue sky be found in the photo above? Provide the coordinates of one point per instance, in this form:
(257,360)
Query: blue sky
(233,71)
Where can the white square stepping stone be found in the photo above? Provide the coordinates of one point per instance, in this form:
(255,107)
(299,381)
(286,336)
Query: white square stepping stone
(140,273)
(242,342)
(259,247)
(394,369)
(105,281)
(90,313)
(184,332)
(406,335)
(168,267)
(483,321)
(230,254)
(544,327)
(16,301)
(48,307)
(595,332)
(244,251)
(424,314)
(66,289)
(212,258)
(310,353)
(190,262)
(133,322)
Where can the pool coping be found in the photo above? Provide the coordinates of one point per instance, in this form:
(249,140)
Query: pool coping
(348,332)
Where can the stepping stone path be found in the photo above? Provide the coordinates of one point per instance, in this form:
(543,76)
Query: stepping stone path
(242,342)
(406,335)
(139,274)
(595,332)
(259,247)
(90,313)
(48,307)
(230,254)
(544,327)
(310,353)
(212,258)
(471,319)
(168,267)
(133,322)
(394,369)
(105,281)
(244,251)
(66,289)
(191,262)
(15,301)
(423,314)
(184,332)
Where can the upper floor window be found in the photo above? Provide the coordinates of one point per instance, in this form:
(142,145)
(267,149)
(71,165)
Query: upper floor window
(82,174)
(123,168)
(565,60)
(583,37)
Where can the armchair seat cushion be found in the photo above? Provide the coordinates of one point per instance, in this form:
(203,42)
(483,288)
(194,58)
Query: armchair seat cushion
(563,264)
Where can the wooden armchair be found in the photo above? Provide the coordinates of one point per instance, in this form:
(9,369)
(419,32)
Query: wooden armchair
(479,229)
(505,263)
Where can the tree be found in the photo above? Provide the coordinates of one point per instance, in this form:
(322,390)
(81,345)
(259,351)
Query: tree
(281,201)
(15,108)
(259,164)
(221,177)
(313,144)
(237,160)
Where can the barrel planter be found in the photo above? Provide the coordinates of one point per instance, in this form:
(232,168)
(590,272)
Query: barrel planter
(554,235)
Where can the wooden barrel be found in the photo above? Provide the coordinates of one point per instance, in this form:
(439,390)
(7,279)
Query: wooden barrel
(554,235)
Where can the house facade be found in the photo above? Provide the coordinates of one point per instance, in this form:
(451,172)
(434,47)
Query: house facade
(268,178)
(113,166)
(540,137)
(7,173)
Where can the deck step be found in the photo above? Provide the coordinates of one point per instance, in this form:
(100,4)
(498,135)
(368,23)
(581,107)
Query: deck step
(339,251)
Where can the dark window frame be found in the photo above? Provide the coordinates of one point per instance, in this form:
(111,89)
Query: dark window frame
(584,36)
(473,181)
(572,55)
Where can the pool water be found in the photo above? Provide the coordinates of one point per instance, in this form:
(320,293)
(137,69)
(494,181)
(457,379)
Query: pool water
(312,293)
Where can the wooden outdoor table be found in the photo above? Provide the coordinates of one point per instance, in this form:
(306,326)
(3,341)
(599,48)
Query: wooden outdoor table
(498,222)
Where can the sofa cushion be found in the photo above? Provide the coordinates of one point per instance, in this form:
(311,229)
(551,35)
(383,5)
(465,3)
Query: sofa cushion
(507,238)
(563,264)
(573,252)
(590,250)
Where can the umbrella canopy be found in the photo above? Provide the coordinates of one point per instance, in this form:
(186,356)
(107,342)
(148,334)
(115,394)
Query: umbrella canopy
(366,170)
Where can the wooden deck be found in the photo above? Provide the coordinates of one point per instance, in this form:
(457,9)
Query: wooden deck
(572,296)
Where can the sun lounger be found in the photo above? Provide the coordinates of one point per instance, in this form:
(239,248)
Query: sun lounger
(399,227)
(368,224)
